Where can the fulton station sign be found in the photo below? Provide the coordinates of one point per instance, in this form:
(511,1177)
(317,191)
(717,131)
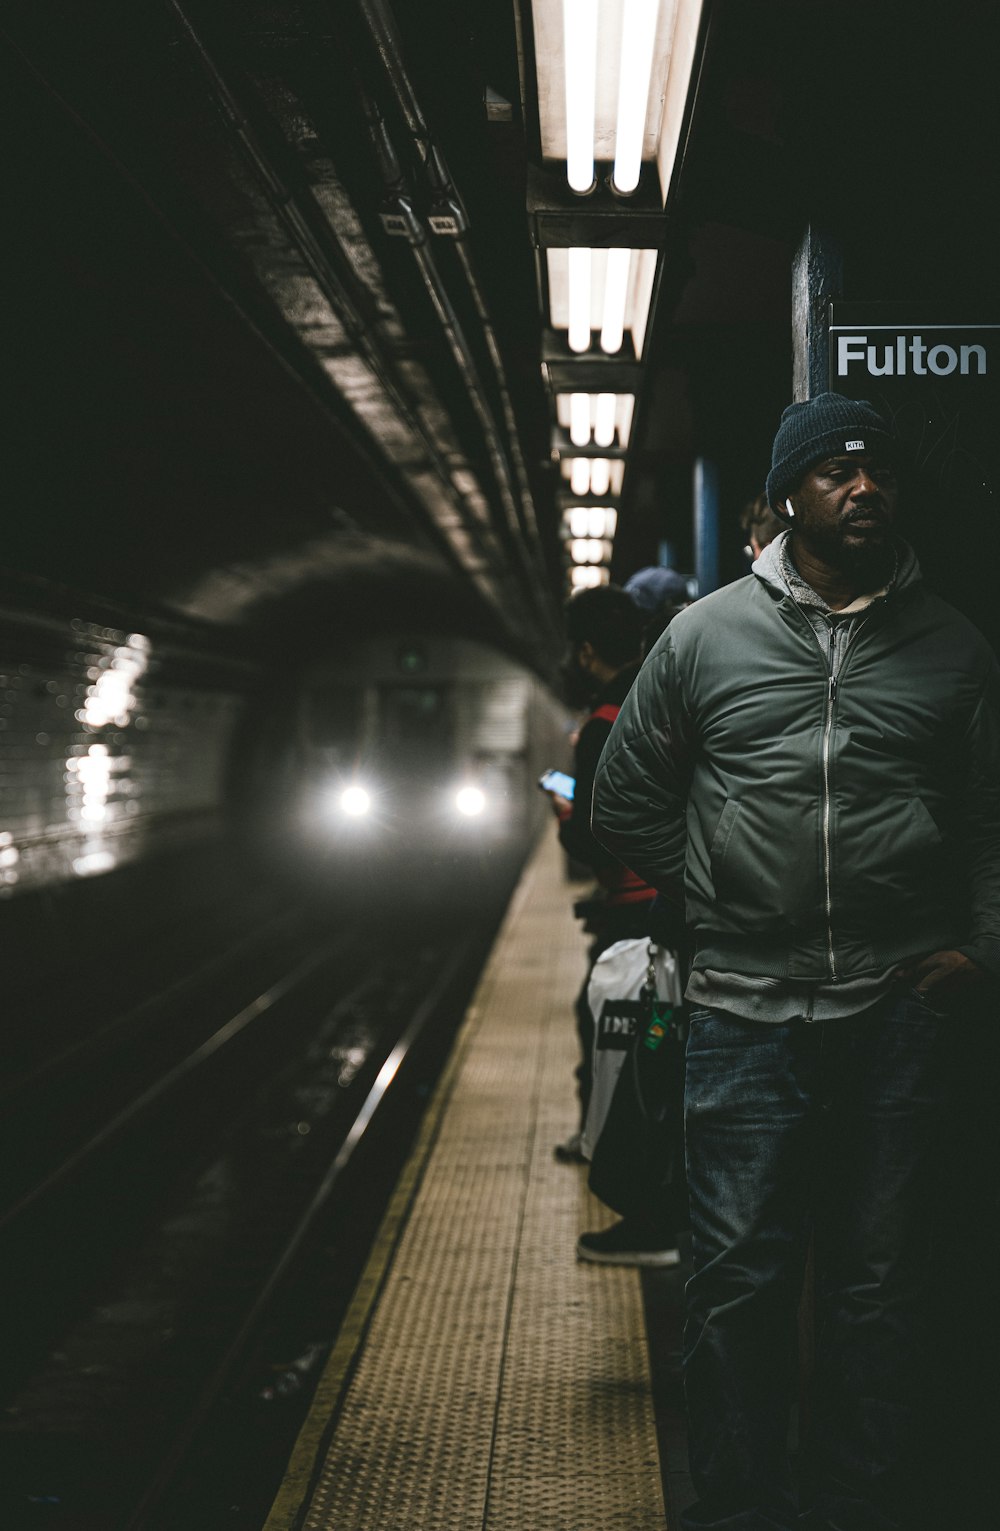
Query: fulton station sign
(932,371)
(895,354)
(867,342)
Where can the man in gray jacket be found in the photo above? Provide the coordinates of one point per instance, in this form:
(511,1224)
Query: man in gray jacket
(808,769)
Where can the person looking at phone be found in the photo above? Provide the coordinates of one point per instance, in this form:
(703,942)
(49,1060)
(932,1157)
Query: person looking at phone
(809,769)
(604,628)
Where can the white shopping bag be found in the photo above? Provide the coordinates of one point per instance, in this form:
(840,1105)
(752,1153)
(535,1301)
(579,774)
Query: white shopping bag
(614,996)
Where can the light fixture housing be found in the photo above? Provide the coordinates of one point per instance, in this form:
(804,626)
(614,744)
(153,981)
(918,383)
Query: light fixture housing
(579,74)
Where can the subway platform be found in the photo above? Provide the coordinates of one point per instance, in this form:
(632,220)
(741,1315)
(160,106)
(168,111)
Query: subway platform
(483,1377)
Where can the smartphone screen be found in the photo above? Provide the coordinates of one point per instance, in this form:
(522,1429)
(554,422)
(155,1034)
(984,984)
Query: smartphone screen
(559,783)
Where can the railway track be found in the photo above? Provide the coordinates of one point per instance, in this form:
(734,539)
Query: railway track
(157,1243)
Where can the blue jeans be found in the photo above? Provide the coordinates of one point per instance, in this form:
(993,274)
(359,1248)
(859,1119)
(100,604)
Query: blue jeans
(826,1128)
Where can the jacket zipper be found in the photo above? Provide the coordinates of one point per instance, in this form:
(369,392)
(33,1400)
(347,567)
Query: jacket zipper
(831,697)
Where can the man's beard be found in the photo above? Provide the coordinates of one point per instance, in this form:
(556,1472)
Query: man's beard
(868,563)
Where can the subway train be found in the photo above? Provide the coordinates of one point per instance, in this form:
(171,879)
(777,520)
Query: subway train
(117,746)
(421,750)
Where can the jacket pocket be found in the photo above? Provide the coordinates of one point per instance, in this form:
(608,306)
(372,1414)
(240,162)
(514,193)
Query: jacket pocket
(761,878)
(721,838)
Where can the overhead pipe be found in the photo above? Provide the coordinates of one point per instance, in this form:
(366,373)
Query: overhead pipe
(401,219)
(381,26)
(286,207)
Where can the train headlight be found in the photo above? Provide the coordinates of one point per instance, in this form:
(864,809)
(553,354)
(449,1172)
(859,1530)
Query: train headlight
(470,801)
(355,802)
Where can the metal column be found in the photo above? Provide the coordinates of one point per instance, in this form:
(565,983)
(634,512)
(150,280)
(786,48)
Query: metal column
(706,525)
(817,276)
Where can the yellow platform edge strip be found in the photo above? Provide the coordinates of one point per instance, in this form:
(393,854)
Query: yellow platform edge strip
(312,1438)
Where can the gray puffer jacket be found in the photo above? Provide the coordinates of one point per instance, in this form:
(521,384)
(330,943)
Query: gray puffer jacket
(814,830)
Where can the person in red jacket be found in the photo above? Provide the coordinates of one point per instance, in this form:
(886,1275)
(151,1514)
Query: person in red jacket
(605,631)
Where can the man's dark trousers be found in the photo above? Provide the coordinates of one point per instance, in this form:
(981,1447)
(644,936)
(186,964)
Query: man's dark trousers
(829,1127)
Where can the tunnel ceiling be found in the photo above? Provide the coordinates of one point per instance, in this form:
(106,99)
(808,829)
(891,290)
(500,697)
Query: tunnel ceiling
(238,393)
(253,388)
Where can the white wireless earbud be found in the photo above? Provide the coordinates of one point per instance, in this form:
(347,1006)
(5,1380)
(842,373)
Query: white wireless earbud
(788,507)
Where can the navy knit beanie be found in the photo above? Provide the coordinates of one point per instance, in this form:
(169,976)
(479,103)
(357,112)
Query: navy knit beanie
(825,426)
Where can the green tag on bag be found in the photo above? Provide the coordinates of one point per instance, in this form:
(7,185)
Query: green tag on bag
(668,1021)
(660,1027)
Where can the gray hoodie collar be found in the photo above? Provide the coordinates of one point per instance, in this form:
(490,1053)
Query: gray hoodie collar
(774,567)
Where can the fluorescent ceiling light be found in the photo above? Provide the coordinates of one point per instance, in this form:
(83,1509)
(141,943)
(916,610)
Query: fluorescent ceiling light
(615,298)
(579,299)
(638,35)
(617,282)
(604,419)
(589,550)
(580,50)
(579,476)
(648,45)
(579,419)
(591,521)
(600,475)
(585,576)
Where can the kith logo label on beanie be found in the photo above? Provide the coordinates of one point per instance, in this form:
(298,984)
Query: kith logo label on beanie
(816,428)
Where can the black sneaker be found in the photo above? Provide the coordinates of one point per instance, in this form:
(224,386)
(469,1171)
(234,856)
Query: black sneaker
(571,1152)
(626,1243)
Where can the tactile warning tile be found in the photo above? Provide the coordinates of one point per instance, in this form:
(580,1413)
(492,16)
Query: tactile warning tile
(503,1386)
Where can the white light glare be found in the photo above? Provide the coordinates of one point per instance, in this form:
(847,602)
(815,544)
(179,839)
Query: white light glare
(600,475)
(579,475)
(355,802)
(579,419)
(580,48)
(604,420)
(579,264)
(638,35)
(470,801)
(97,861)
(584,576)
(113,699)
(615,299)
(596,521)
(588,550)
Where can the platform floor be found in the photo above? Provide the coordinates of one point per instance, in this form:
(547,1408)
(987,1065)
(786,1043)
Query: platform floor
(485,1378)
